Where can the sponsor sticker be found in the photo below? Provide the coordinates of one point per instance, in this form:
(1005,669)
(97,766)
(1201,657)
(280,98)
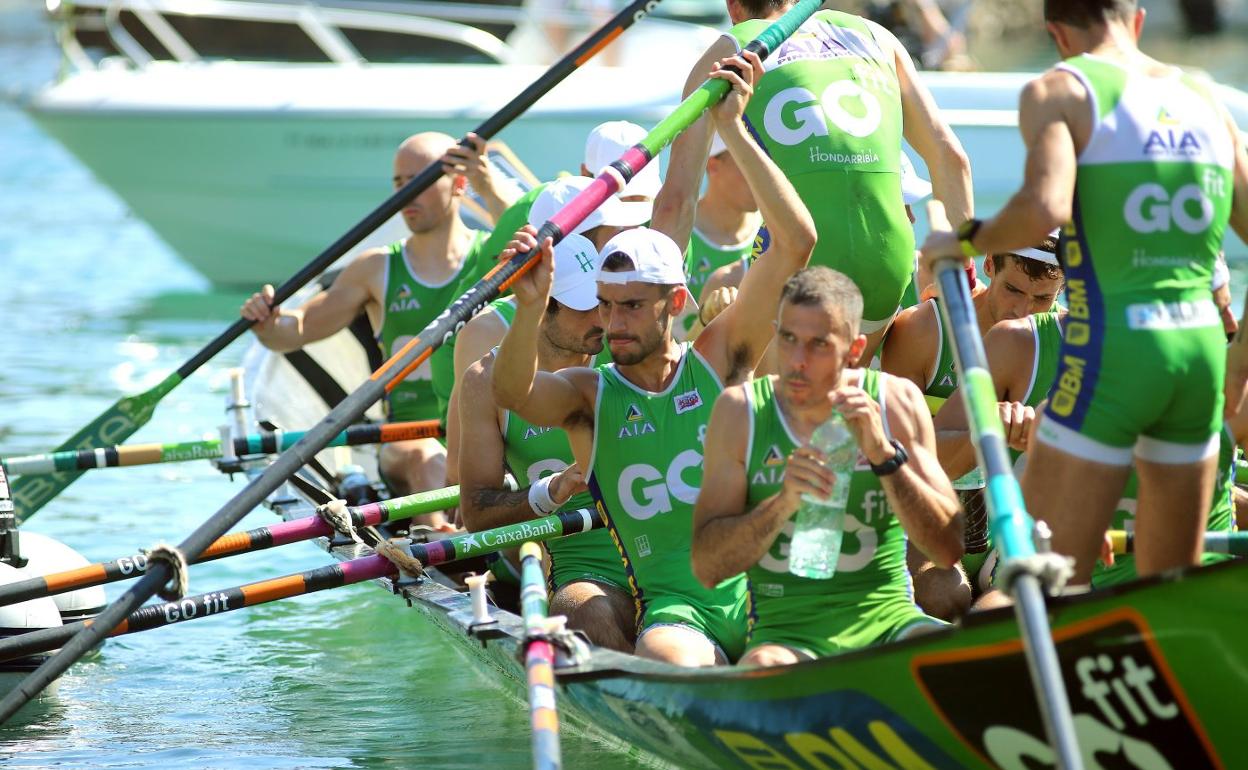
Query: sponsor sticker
(688,401)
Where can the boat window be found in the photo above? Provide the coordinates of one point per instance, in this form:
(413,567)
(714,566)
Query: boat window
(249,40)
(382,46)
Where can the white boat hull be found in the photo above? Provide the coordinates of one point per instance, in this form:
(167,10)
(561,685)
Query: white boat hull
(250,170)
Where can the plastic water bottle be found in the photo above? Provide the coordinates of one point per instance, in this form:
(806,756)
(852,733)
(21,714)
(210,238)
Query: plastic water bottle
(819,524)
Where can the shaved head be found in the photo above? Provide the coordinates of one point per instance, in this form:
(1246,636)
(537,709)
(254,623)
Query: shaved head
(428,146)
(439,204)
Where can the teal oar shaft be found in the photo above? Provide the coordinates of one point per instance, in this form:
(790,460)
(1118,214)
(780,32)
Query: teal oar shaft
(1007,517)
(406,360)
(539,661)
(1233,543)
(121,420)
(265,442)
(259,539)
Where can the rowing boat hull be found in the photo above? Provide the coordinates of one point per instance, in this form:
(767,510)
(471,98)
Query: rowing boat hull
(1150,669)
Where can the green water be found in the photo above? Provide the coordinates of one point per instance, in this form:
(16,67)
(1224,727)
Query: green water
(94,307)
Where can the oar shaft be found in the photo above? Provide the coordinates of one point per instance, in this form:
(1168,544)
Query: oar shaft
(539,661)
(1233,543)
(205,605)
(259,539)
(265,442)
(1009,522)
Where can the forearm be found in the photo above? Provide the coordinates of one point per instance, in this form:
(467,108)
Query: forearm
(951,180)
(1025,221)
(929,514)
(487,508)
(498,194)
(515,363)
(283,335)
(675,207)
(791,226)
(955,452)
(729,545)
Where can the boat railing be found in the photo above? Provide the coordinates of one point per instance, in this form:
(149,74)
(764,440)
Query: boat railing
(143,31)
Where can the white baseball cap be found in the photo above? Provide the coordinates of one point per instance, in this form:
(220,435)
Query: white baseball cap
(914,188)
(560,192)
(717,145)
(656,258)
(576,273)
(1040,255)
(607,143)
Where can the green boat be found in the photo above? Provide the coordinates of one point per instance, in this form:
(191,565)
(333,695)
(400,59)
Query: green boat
(1151,669)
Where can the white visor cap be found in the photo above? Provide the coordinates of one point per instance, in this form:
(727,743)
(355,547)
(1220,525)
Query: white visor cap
(1040,255)
(914,188)
(576,273)
(655,257)
(560,192)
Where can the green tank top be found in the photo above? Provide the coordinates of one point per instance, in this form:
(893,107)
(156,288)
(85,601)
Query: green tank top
(830,105)
(1046,332)
(645,474)
(1221,515)
(410,306)
(1152,201)
(705,257)
(872,565)
(531,453)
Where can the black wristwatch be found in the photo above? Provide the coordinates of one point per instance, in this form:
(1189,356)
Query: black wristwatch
(890,466)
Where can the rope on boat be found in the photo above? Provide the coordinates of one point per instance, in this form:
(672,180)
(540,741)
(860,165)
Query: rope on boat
(179,579)
(1052,569)
(401,558)
(336,514)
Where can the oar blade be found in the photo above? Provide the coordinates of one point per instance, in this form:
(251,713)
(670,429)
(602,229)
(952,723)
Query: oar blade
(113,426)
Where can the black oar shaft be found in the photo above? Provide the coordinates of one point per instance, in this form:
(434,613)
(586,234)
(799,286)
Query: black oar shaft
(205,605)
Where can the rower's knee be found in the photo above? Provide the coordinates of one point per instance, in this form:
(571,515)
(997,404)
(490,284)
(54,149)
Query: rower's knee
(994,599)
(678,645)
(771,655)
(602,613)
(942,593)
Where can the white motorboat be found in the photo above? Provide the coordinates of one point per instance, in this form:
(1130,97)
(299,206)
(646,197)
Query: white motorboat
(249,168)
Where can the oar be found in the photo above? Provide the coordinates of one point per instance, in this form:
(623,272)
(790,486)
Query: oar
(122,419)
(259,539)
(406,360)
(332,576)
(1007,517)
(265,442)
(539,661)
(1234,543)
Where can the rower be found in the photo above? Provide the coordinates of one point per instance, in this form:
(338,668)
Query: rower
(637,426)
(402,288)
(841,154)
(587,577)
(724,224)
(758,465)
(1159,170)
(1023,282)
(629,208)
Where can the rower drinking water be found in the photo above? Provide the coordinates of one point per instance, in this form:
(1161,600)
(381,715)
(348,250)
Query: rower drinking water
(1143,169)
(637,426)
(401,288)
(759,463)
(838,97)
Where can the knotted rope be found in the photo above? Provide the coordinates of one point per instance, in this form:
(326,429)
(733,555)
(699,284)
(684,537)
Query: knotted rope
(178,582)
(336,514)
(401,558)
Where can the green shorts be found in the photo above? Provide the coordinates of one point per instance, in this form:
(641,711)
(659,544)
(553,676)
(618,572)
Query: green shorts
(588,556)
(724,626)
(1151,387)
(876,256)
(821,626)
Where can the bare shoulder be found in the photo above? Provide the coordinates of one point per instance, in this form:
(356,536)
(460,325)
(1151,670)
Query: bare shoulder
(909,417)
(475,382)
(585,380)
(732,402)
(911,340)
(726,432)
(1057,90)
(368,269)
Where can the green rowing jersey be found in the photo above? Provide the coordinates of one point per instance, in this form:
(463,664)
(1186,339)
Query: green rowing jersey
(645,475)
(1143,352)
(1046,333)
(1221,516)
(944,378)
(871,593)
(410,305)
(531,453)
(829,113)
(703,258)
